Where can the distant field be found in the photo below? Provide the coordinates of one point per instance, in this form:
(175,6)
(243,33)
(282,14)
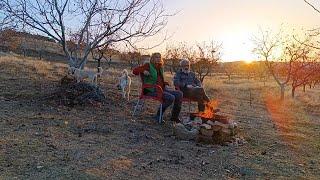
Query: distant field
(41,140)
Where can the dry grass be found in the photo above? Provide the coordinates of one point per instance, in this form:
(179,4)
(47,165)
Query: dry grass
(44,141)
(16,64)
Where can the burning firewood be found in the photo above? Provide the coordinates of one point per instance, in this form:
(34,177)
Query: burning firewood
(209,114)
(213,128)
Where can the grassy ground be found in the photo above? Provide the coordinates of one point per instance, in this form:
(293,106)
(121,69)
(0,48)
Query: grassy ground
(41,140)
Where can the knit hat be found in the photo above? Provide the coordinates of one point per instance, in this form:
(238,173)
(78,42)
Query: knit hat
(185,62)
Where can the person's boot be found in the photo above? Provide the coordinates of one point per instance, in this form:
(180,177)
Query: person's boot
(175,113)
(201,106)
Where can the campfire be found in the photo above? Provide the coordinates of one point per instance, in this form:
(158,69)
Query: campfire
(211,127)
(210,113)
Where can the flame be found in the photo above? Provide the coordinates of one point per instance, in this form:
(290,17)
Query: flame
(208,112)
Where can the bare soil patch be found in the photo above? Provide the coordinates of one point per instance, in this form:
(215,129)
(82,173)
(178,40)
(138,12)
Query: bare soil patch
(43,140)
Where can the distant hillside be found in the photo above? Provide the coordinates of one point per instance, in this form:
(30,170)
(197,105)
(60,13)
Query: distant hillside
(26,35)
(33,45)
(30,45)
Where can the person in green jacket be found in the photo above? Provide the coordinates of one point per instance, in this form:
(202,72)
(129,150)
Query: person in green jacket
(152,73)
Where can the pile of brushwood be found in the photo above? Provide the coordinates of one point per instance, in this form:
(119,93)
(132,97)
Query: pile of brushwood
(71,93)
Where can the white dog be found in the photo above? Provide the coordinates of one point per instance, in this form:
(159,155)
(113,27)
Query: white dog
(80,74)
(100,71)
(125,84)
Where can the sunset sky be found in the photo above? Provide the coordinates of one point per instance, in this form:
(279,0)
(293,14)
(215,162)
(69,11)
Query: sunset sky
(234,22)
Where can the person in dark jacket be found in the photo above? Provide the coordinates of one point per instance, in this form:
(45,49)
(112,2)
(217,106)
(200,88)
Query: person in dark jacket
(189,84)
(153,74)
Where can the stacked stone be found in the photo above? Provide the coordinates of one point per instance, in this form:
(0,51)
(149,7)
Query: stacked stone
(217,132)
(208,131)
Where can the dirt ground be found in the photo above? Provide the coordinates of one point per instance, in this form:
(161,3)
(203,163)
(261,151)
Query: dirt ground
(42,140)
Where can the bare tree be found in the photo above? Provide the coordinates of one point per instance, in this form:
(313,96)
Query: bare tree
(316,76)
(229,69)
(97,55)
(261,71)
(302,70)
(109,53)
(102,53)
(5,21)
(6,29)
(306,67)
(173,55)
(312,5)
(207,57)
(94,23)
(203,57)
(278,53)
(133,57)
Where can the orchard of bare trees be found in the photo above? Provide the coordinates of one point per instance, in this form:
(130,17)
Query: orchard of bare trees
(291,60)
(82,27)
(204,57)
(86,29)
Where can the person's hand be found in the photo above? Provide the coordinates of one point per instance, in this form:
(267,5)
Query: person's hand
(189,86)
(146,73)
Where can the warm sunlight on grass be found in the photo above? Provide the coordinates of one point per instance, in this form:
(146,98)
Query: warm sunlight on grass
(248,61)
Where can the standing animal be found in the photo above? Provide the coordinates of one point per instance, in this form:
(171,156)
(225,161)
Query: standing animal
(100,71)
(125,84)
(81,74)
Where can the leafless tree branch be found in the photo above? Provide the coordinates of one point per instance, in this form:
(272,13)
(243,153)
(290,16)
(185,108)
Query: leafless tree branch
(311,5)
(89,24)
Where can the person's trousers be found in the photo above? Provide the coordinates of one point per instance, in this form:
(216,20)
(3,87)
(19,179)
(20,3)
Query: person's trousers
(171,97)
(196,94)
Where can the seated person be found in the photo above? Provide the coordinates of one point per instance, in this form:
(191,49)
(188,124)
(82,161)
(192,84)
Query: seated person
(187,82)
(153,74)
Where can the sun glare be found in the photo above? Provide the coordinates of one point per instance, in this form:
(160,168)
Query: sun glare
(248,61)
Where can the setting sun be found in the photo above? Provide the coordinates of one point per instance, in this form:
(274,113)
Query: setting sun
(234,23)
(248,61)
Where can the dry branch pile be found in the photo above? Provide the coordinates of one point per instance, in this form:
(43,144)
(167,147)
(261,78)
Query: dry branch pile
(71,93)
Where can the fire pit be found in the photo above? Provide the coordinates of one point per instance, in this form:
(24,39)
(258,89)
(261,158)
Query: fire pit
(212,127)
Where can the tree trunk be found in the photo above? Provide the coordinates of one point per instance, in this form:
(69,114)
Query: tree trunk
(282,89)
(109,62)
(84,59)
(83,63)
(304,88)
(40,55)
(202,79)
(72,62)
(293,92)
(99,62)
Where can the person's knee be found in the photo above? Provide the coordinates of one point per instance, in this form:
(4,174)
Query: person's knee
(179,95)
(170,98)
